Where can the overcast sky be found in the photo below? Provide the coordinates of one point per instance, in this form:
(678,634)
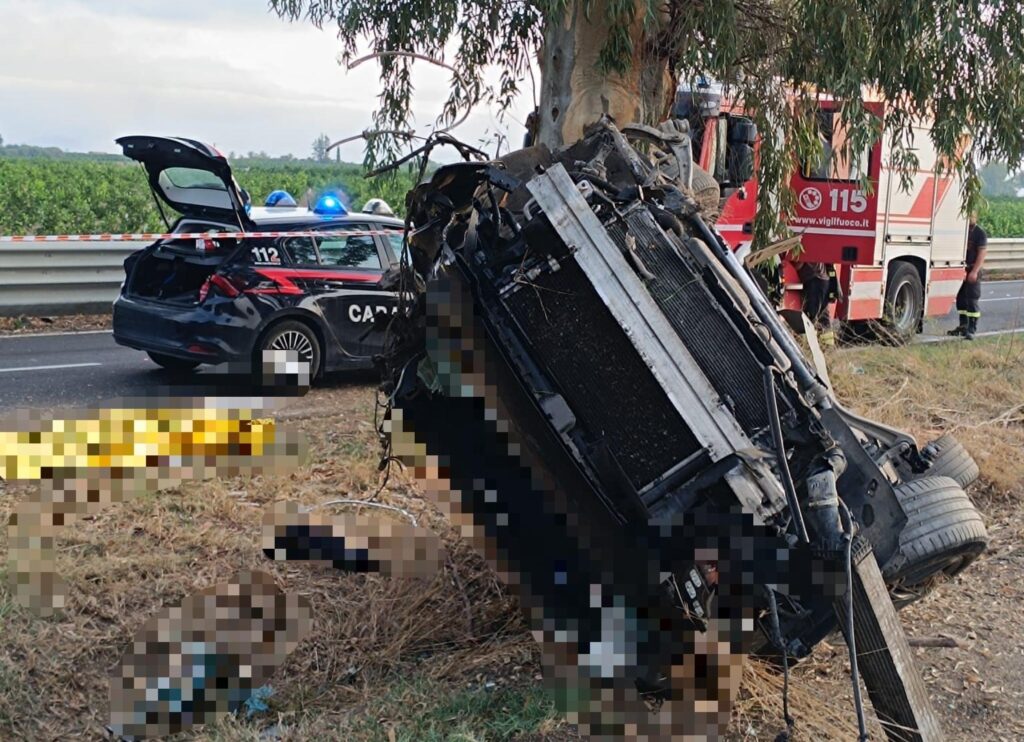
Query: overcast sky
(78,73)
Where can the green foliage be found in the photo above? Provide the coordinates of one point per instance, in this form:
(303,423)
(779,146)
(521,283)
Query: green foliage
(47,196)
(1003,217)
(961,64)
(53,153)
(503,34)
(321,152)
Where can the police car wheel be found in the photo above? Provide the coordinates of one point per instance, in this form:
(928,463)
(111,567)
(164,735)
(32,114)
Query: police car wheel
(296,337)
(171,363)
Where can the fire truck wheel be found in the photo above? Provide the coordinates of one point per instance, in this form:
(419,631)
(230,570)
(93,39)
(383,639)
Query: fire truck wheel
(950,459)
(904,302)
(943,535)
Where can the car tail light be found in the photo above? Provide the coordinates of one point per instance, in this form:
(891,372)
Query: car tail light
(223,284)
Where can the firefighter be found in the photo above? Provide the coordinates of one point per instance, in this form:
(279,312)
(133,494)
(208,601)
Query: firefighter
(968,296)
(817,283)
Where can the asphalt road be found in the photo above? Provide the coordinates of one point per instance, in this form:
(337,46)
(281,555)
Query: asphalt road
(88,368)
(1002,308)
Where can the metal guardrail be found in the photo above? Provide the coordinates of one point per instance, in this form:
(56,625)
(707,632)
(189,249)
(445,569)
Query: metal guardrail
(1005,254)
(65,278)
(62,278)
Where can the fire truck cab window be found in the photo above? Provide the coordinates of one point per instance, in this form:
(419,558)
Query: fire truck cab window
(835,163)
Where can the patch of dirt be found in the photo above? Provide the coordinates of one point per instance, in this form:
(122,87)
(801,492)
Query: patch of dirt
(70,323)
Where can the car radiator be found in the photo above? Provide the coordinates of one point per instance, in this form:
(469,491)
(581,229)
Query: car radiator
(600,374)
(700,321)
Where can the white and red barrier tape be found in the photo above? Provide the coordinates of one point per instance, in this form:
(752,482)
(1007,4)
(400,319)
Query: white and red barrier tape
(154,236)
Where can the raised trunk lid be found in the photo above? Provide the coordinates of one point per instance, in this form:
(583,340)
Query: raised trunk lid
(191,177)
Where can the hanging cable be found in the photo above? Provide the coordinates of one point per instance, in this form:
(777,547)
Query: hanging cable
(780,451)
(781,645)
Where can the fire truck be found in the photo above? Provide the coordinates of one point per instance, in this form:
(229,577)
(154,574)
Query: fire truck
(898,255)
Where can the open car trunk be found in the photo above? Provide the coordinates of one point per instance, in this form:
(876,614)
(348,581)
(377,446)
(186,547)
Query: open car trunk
(174,271)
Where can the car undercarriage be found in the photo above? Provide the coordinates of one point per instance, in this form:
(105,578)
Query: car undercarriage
(598,393)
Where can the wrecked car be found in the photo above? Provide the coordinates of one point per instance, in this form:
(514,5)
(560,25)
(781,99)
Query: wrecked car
(598,393)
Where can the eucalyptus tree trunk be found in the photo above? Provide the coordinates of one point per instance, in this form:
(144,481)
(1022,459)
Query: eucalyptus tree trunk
(575,91)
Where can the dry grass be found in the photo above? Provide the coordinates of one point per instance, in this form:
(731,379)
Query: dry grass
(130,560)
(974,390)
(410,660)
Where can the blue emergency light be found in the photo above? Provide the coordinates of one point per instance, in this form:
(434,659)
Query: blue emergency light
(280,198)
(330,206)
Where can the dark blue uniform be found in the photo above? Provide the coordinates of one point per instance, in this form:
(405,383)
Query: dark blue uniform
(967,299)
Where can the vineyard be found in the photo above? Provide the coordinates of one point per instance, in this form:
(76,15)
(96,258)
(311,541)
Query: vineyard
(47,196)
(60,196)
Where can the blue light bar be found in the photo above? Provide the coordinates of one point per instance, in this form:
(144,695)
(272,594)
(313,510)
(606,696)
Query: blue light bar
(330,206)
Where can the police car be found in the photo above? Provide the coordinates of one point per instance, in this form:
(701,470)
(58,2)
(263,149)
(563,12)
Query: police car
(196,300)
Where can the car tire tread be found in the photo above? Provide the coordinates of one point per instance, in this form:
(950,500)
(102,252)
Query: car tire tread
(942,520)
(952,460)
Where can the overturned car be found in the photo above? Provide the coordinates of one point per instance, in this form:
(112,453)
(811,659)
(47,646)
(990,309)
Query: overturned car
(597,391)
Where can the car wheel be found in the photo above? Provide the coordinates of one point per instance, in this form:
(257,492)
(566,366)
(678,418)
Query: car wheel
(171,363)
(293,336)
(950,459)
(904,303)
(943,535)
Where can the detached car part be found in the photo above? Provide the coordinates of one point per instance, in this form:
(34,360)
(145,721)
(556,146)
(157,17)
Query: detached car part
(597,391)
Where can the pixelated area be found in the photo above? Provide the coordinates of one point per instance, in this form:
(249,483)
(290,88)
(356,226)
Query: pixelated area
(353,543)
(284,372)
(623,658)
(202,659)
(96,458)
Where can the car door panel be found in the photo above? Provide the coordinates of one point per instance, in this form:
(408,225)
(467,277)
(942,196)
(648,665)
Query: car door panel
(351,296)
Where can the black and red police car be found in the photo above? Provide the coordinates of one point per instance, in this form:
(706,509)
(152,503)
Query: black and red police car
(191,301)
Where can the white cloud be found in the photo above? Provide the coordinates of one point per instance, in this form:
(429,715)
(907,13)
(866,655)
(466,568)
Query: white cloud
(78,74)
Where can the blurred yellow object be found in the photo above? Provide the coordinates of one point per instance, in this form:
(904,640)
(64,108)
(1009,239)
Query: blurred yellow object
(92,459)
(128,438)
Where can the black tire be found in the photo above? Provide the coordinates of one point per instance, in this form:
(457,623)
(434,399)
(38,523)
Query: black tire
(291,335)
(904,303)
(950,459)
(171,363)
(943,535)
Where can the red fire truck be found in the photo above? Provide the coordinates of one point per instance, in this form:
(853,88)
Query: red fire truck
(898,255)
